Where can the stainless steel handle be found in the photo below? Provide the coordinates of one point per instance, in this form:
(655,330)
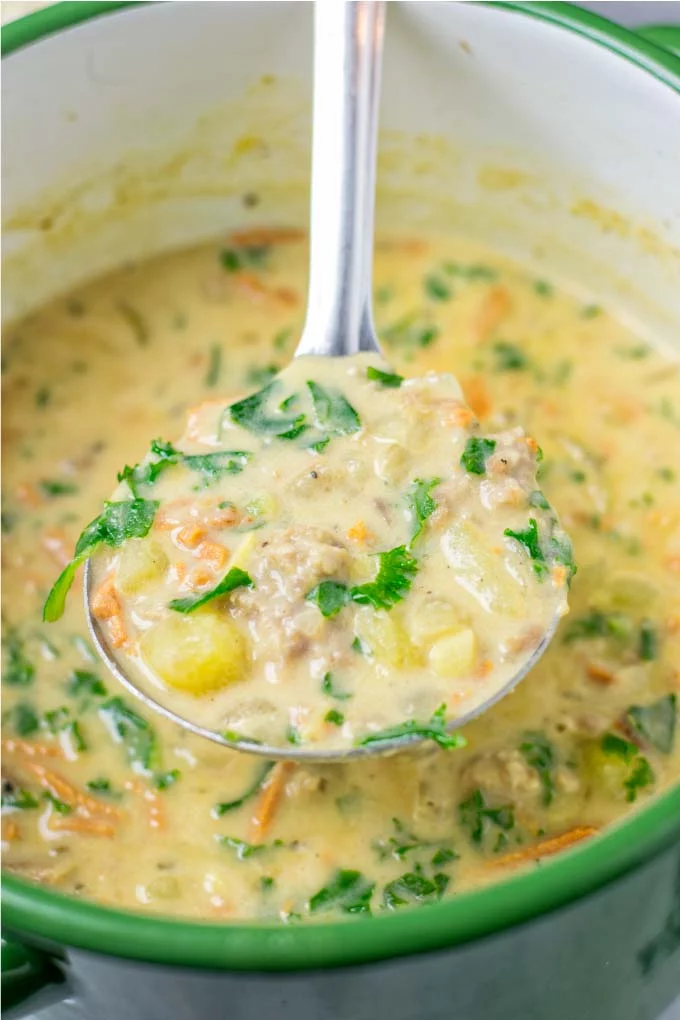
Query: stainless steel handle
(348,38)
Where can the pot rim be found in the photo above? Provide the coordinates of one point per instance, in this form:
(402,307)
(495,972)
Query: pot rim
(257,946)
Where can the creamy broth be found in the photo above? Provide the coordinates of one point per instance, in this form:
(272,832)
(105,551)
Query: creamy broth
(390,569)
(108,802)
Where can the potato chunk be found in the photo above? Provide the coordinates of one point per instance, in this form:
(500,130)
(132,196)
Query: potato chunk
(454,655)
(196,653)
(385,638)
(141,561)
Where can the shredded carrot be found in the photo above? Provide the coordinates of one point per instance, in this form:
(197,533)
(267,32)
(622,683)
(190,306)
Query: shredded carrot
(258,237)
(359,532)
(673,623)
(478,396)
(213,553)
(71,795)
(116,632)
(531,443)
(105,601)
(78,823)
(171,515)
(494,307)
(546,847)
(460,415)
(600,674)
(410,245)
(10,830)
(269,799)
(483,669)
(227,517)
(190,535)
(252,287)
(199,578)
(673,563)
(56,543)
(31,749)
(28,495)
(180,571)
(559,574)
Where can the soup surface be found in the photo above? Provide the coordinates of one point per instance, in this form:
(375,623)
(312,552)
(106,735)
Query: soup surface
(105,801)
(338,560)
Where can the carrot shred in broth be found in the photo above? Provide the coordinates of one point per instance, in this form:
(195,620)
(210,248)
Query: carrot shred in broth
(494,307)
(31,749)
(546,847)
(269,799)
(260,237)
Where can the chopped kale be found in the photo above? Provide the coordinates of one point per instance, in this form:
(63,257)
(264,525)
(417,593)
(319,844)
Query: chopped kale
(539,753)
(528,538)
(392,583)
(235,578)
(414,887)
(421,504)
(349,891)
(476,453)
(329,597)
(18,671)
(387,379)
(474,814)
(656,722)
(224,807)
(335,415)
(328,687)
(435,730)
(134,732)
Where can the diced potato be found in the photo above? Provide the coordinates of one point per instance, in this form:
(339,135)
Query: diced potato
(391,462)
(430,618)
(455,655)
(361,567)
(480,570)
(141,561)
(385,637)
(265,507)
(196,653)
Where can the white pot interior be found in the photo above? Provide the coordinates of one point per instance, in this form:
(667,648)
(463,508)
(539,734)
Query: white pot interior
(144,129)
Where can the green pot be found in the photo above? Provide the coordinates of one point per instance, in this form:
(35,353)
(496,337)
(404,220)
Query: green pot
(576,106)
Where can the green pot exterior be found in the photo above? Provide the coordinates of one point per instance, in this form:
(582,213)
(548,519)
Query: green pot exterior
(591,935)
(611,956)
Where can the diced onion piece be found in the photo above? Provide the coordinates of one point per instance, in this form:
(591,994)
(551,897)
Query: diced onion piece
(141,561)
(196,653)
(455,655)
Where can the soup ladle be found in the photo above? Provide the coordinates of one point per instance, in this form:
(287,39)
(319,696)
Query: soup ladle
(348,40)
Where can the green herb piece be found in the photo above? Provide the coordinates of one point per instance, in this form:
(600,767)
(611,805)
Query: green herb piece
(212,376)
(668,474)
(655,723)
(474,813)
(387,379)
(233,260)
(242,849)
(57,718)
(266,883)
(404,843)
(334,413)
(280,341)
(543,288)
(18,671)
(642,775)
(359,647)
(348,891)
(328,687)
(83,648)
(252,414)
(235,737)
(414,887)
(537,499)
(334,717)
(116,523)
(590,311)
(293,735)
(434,729)
(225,807)
(476,453)
(410,334)
(528,538)
(163,780)
(43,396)
(634,353)
(444,855)
(436,289)
(392,583)
(75,736)
(421,504)
(134,732)
(538,752)
(509,357)
(210,466)
(329,597)
(136,322)
(102,786)
(82,681)
(17,798)
(261,376)
(611,743)
(51,488)
(235,578)
(597,624)
(382,295)
(229,260)
(60,806)
(23,719)
(649,641)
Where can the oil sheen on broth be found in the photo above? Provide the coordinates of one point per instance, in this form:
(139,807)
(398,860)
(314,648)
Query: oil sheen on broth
(106,801)
(338,559)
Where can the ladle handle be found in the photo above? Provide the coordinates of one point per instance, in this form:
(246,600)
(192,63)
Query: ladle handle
(348,38)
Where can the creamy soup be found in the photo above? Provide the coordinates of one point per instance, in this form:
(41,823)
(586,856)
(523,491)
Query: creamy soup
(106,801)
(390,569)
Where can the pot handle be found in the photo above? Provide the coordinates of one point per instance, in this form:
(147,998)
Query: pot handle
(666,37)
(26,971)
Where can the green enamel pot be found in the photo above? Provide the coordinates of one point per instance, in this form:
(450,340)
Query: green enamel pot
(536,127)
